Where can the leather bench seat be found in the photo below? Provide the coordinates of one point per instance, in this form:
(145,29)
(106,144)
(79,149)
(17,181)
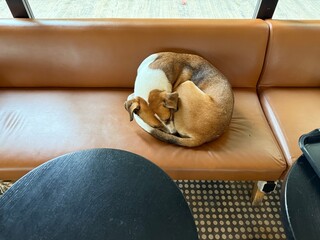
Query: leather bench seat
(292,112)
(290,82)
(38,124)
(63,84)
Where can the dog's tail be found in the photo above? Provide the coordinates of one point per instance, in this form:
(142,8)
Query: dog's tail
(167,137)
(173,139)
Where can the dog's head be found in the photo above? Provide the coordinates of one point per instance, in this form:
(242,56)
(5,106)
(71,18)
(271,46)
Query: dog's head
(141,108)
(164,104)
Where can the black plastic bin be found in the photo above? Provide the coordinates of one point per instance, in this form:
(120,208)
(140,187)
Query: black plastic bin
(300,196)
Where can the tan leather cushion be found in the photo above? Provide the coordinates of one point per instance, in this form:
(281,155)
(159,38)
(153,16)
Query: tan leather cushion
(39,124)
(291,113)
(106,53)
(293,54)
(290,82)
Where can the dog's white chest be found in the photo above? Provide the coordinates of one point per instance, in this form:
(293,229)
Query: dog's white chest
(148,79)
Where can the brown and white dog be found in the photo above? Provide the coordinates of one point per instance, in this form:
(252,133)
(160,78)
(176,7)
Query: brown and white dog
(181,99)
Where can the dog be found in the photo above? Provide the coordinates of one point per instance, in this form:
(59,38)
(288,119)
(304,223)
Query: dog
(147,80)
(181,99)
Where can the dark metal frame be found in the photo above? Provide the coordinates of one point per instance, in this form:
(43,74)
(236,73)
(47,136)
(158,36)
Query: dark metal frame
(265,9)
(20,8)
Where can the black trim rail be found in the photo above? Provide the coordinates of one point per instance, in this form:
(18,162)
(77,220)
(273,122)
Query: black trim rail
(265,9)
(20,8)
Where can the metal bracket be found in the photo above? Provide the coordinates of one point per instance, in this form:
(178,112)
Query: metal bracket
(267,186)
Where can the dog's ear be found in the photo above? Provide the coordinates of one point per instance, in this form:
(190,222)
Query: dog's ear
(132,106)
(171,101)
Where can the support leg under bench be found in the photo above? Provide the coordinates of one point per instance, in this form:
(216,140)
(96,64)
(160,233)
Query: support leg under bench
(260,188)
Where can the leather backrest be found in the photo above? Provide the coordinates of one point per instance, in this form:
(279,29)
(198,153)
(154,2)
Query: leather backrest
(293,55)
(107,52)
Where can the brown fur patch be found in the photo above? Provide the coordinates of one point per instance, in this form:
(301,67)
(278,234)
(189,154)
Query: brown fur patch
(156,102)
(205,103)
(183,67)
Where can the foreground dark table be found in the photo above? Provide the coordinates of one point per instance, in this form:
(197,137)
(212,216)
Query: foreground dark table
(96,194)
(300,202)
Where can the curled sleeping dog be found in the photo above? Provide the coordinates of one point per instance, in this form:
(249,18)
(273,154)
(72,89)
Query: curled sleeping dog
(181,99)
(147,80)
